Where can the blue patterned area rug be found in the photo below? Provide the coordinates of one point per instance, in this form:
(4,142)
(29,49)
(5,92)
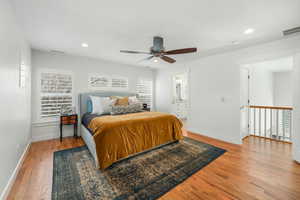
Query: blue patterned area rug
(145,176)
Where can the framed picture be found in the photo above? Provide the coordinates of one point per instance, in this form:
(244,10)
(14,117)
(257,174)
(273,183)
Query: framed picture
(96,81)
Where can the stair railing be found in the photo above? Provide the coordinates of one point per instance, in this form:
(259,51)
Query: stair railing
(271,122)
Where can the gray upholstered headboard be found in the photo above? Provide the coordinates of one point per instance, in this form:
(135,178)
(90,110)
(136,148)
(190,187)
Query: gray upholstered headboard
(83,98)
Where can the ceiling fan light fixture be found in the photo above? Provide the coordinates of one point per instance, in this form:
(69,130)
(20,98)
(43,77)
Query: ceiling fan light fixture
(158,50)
(85,45)
(249,31)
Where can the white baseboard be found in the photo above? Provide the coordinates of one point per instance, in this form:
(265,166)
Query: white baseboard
(49,136)
(13,177)
(296,155)
(47,131)
(44,137)
(222,138)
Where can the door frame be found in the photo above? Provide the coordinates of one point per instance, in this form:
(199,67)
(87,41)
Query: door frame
(186,73)
(247,105)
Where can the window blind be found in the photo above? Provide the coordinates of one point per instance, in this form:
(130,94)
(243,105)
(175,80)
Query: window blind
(144,91)
(56,91)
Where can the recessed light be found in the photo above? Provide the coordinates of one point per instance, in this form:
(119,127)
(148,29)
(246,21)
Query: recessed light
(235,42)
(249,31)
(155,60)
(84,45)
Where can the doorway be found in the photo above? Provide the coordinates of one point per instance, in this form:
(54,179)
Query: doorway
(180,95)
(266,99)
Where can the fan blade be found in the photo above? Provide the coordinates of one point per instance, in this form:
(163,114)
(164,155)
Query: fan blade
(168,59)
(136,52)
(148,58)
(181,51)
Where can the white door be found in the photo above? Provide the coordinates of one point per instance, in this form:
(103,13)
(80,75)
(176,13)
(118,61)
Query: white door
(244,101)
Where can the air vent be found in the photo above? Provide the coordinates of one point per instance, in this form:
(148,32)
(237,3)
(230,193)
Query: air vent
(57,51)
(291,31)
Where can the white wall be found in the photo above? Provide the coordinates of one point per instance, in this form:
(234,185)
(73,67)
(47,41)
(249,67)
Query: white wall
(296,106)
(283,88)
(81,67)
(215,98)
(261,91)
(164,88)
(214,87)
(14,101)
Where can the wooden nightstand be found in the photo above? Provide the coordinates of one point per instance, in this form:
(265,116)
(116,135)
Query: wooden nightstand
(68,120)
(146,109)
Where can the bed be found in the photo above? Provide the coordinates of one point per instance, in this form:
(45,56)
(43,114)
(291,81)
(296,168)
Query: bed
(111,138)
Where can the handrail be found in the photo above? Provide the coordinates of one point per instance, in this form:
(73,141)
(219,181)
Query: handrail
(272,107)
(273,122)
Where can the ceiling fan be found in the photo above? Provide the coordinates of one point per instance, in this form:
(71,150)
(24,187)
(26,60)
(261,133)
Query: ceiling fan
(158,50)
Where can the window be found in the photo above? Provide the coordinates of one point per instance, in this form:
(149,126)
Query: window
(144,91)
(56,91)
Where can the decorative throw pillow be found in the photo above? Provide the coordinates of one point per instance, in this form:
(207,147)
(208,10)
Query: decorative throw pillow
(133,108)
(133,100)
(89,106)
(122,101)
(115,97)
(101,105)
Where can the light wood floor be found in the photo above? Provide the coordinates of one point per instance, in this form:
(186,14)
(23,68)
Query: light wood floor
(258,169)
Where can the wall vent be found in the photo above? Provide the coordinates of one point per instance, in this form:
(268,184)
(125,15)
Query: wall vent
(291,31)
(57,51)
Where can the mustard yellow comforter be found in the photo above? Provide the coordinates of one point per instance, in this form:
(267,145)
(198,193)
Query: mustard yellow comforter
(119,136)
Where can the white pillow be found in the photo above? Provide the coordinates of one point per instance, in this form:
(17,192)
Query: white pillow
(101,105)
(133,100)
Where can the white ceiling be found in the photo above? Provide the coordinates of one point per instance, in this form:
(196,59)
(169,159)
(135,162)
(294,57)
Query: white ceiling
(110,25)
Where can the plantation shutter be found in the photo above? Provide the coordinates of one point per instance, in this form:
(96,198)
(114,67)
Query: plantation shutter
(56,90)
(144,91)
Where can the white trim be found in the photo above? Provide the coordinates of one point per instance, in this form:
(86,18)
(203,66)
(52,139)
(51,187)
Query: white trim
(49,130)
(13,177)
(48,123)
(44,137)
(196,131)
(296,156)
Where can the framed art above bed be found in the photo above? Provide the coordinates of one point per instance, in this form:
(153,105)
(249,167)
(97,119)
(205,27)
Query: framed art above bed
(105,82)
